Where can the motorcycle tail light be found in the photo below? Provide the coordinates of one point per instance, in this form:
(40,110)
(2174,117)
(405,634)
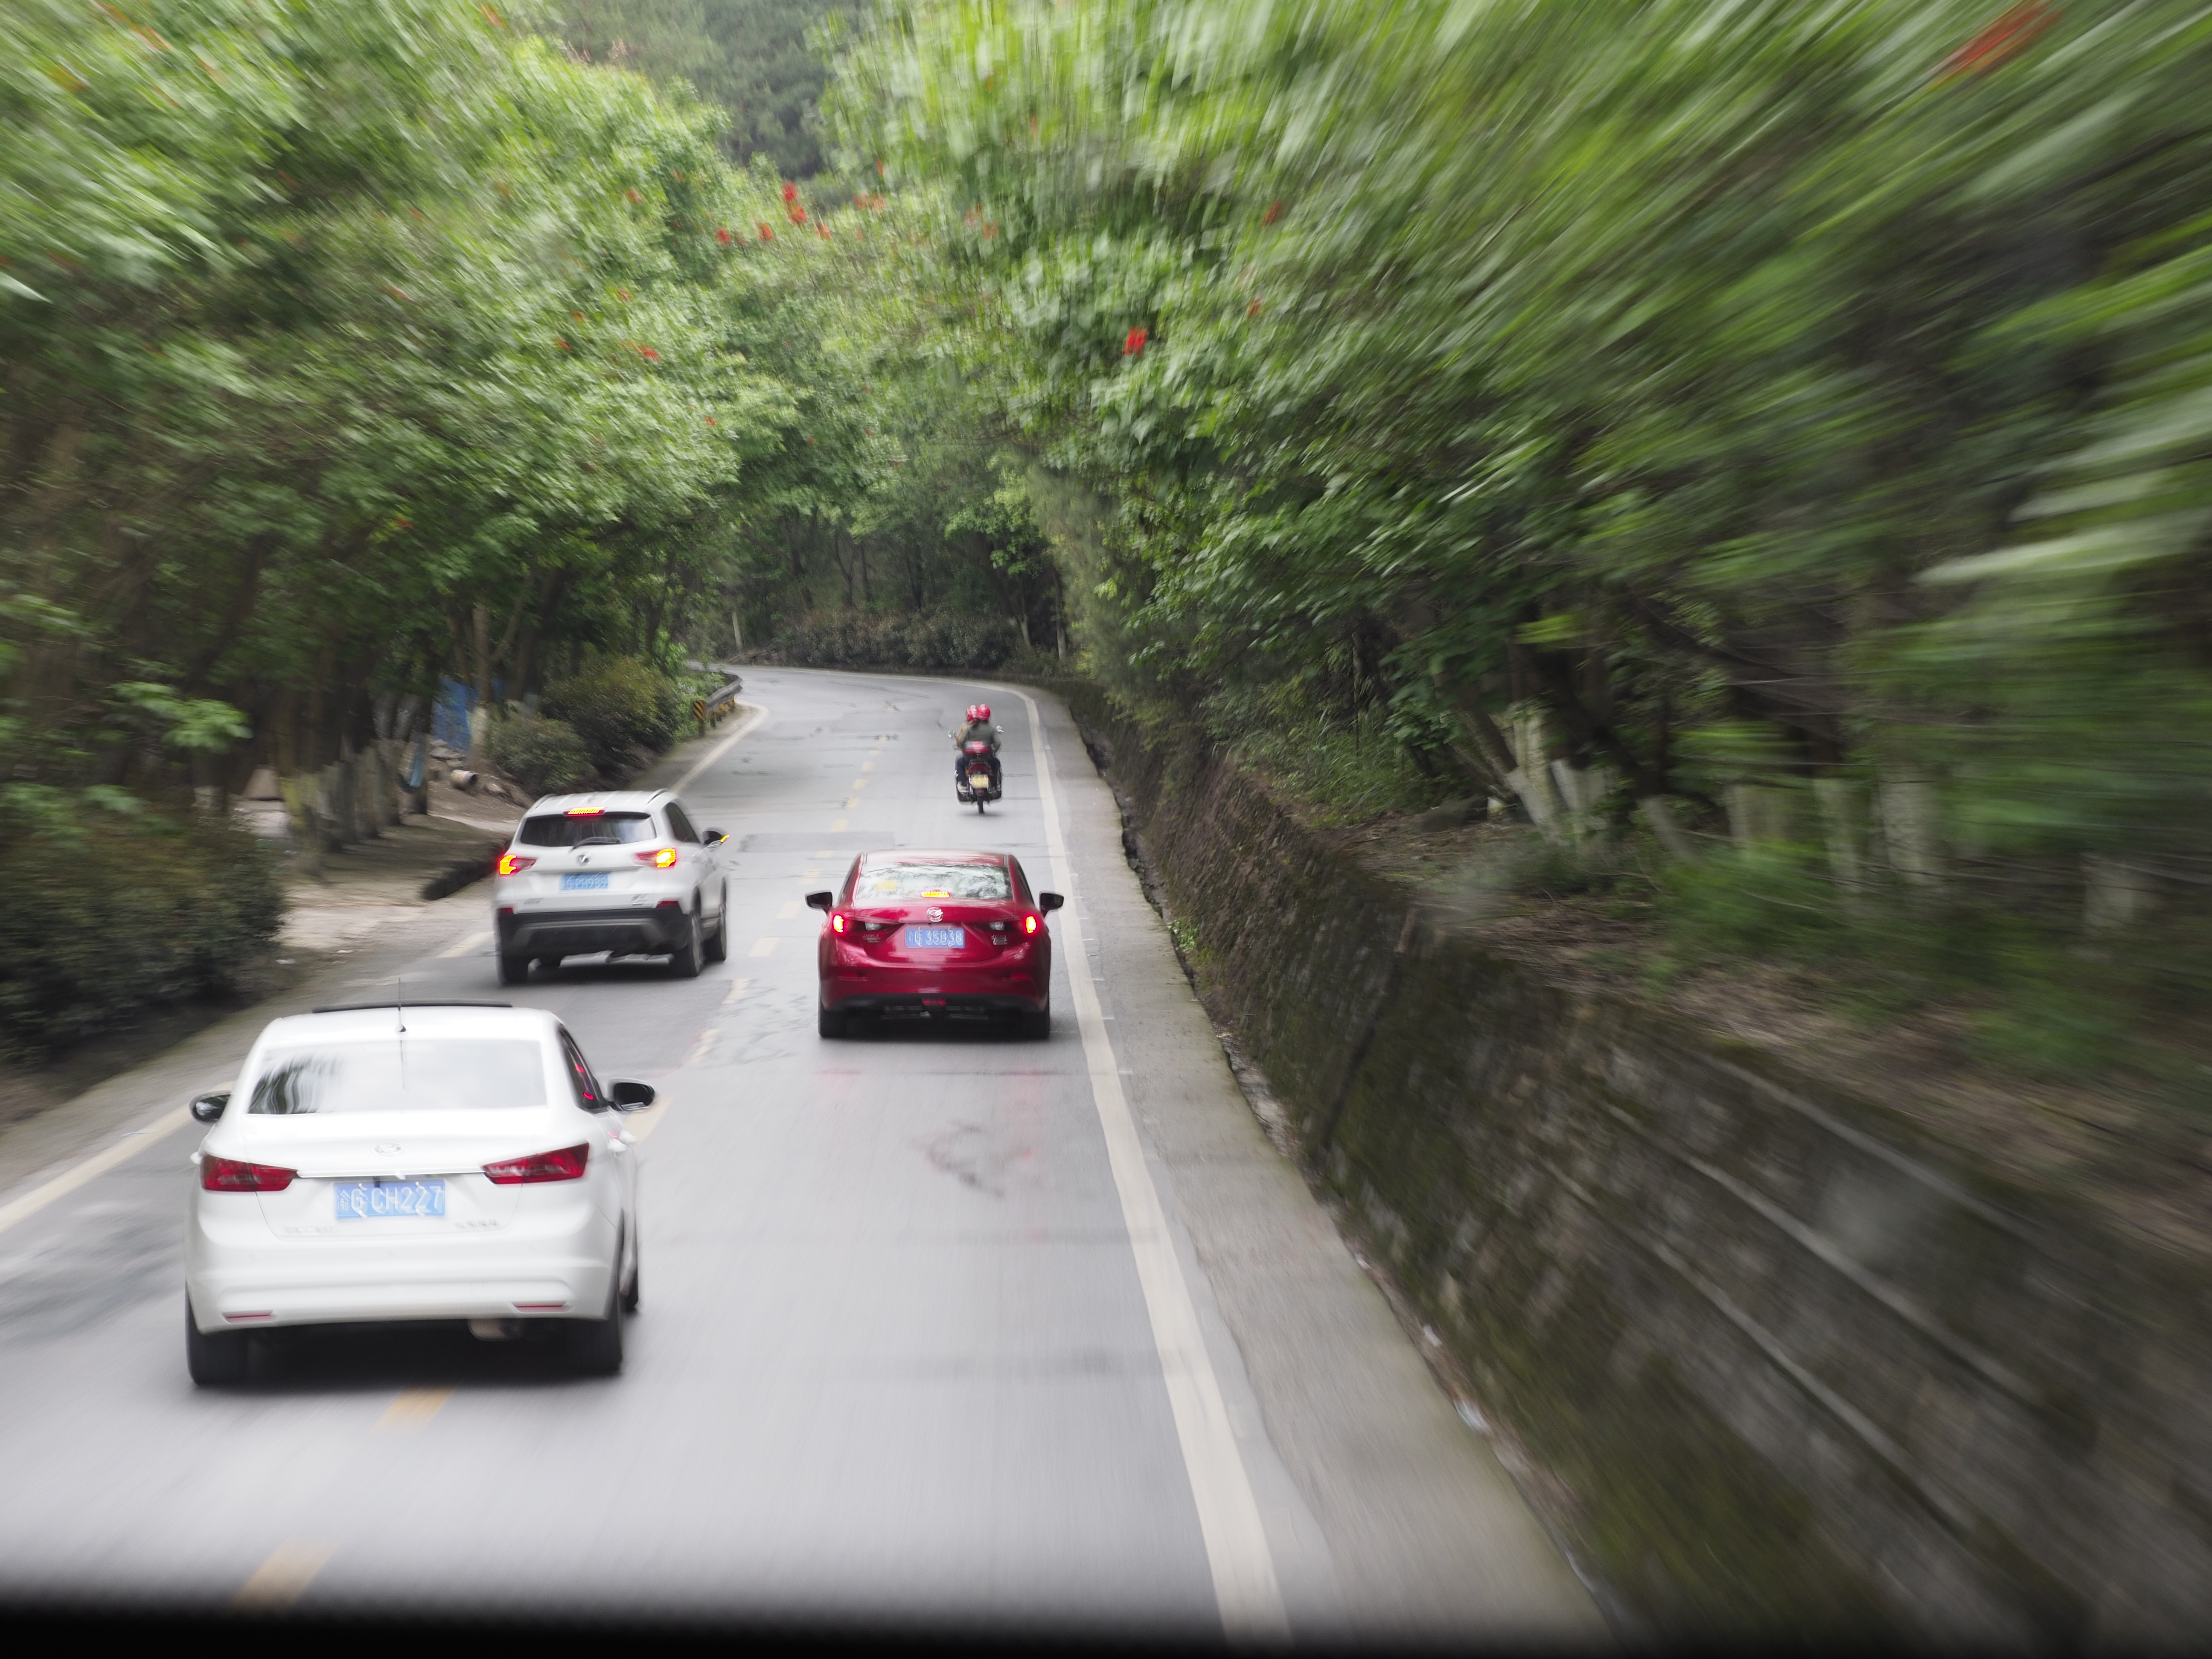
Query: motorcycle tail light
(514,864)
(661,858)
(1029,924)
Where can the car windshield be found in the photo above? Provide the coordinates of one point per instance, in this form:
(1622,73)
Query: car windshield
(883,883)
(402,1074)
(585,828)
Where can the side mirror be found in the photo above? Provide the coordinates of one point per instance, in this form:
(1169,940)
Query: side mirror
(208,1107)
(630,1097)
(715,838)
(821,901)
(1051,901)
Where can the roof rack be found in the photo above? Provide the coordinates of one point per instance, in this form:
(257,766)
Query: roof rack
(426,1002)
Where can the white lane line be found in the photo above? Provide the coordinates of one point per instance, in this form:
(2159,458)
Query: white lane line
(466,946)
(1245,1587)
(98,1164)
(280,1580)
(720,748)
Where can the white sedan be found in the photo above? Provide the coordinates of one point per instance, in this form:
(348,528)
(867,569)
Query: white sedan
(447,1161)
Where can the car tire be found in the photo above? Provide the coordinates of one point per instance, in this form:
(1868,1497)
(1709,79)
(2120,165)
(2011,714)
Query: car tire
(550,965)
(595,1345)
(633,1287)
(513,971)
(829,1023)
(683,961)
(1036,1023)
(215,1360)
(718,947)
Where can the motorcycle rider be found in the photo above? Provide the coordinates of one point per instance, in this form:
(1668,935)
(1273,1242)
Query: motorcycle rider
(978,729)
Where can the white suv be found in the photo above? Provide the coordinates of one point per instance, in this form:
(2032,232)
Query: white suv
(623,873)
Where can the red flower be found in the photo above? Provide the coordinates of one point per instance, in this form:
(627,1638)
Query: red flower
(2010,35)
(632,195)
(710,420)
(648,354)
(402,524)
(990,230)
(823,231)
(1251,310)
(1135,342)
(791,192)
(796,213)
(767,234)
(1274,212)
(622,294)
(722,234)
(563,344)
(578,315)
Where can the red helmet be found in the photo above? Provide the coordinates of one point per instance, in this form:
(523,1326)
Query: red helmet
(979,711)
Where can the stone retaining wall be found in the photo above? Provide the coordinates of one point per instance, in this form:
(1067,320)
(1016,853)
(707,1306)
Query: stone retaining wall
(1798,1367)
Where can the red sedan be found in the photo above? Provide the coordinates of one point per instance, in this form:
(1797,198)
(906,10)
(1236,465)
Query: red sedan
(953,936)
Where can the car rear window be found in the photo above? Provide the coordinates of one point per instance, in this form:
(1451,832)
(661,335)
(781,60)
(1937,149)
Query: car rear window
(888,883)
(402,1074)
(585,828)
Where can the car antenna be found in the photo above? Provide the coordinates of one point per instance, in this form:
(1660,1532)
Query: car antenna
(399,1007)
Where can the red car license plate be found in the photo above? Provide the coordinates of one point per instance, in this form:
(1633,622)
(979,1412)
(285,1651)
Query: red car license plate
(935,939)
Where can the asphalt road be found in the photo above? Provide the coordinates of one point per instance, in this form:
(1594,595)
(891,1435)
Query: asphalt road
(939,1330)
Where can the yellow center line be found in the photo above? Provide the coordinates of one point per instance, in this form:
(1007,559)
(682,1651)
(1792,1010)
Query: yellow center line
(278,1582)
(464,946)
(699,1048)
(412,1409)
(763,946)
(850,804)
(789,909)
(737,989)
(836,824)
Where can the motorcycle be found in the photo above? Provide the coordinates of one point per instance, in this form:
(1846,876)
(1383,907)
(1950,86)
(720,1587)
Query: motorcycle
(978,779)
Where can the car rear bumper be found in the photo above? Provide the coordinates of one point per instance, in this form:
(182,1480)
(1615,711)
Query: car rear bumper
(635,930)
(283,1285)
(952,1005)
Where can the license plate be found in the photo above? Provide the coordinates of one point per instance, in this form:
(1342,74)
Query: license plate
(979,780)
(367,1201)
(935,939)
(576,883)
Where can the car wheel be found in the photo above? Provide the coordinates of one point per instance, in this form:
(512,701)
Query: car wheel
(595,1345)
(632,1286)
(684,962)
(550,965)
(1036,1023)
(215,1359)
(829,1023)
(718,947)
(513,971)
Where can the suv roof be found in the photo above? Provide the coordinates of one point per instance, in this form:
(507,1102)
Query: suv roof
(607,801)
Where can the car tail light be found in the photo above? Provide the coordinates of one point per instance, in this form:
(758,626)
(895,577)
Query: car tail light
(586,811)
(836,921)
(231,1175)
(1030,924)
(514,864)
(566,1164)
(661,858)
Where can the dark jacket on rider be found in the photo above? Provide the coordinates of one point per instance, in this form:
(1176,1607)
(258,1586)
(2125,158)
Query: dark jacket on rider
(977,732)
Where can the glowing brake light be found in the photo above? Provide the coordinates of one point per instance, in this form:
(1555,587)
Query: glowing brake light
(661,858)
(566,1164)
(1029,924)
(231,1175)
(836,921)
(514,864)
(586,811)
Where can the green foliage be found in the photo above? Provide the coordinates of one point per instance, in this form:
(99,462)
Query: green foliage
(545,757)
(1777,393)
(105,917)
(615,705)
(892,639)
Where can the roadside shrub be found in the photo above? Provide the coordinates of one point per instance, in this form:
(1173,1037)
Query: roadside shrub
(853,639)
(111,915)
(544,757)
(615,705)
